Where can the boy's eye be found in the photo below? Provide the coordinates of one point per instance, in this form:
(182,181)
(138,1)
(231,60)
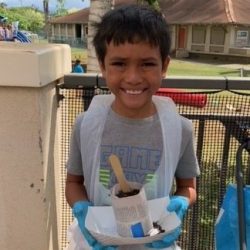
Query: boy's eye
(118,64)
(149,64)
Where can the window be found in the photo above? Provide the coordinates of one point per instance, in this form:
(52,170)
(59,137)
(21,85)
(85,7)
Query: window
(70,30)
(242,34)
(199,34)
(78,30)
(86,30)
(241,38)
(217,35)
(63,29)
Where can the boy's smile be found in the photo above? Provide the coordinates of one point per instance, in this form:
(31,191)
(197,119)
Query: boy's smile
(133,73)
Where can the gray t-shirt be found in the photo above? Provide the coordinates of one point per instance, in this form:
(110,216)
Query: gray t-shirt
(138,144)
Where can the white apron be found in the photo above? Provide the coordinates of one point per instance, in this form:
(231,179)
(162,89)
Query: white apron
(91,133)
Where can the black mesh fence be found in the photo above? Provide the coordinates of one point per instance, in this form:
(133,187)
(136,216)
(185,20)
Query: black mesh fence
(220,119)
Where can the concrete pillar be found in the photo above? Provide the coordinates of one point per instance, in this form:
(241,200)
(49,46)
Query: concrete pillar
(173,37)
(28,107)
(207,39)
(232,33)
(189,37)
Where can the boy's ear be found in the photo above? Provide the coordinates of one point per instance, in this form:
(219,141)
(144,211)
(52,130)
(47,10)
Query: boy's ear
(165,66)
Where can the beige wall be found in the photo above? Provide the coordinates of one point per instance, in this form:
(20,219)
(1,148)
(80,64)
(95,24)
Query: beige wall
(67,30)
(202,42)
(28,168)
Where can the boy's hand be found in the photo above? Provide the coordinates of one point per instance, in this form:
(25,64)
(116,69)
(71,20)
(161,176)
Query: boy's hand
(167,241)
(179,205)
(80,210)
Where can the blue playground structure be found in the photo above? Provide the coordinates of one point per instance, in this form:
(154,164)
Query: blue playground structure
(21,37)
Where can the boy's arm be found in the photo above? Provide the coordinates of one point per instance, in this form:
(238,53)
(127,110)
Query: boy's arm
(76,197)
(187,188)
(74,189)
(184,197)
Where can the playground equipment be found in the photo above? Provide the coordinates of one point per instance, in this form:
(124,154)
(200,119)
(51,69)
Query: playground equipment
(184,98)
(11,33)
(21,37)
(18,35)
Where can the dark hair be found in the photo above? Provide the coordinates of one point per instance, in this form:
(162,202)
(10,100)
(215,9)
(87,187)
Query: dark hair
(132,23)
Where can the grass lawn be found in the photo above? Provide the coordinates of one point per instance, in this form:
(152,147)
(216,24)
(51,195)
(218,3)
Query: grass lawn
(188,68)
(176,67)
(78,53)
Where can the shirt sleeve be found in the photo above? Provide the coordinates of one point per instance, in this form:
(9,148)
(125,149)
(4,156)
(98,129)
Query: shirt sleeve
(188,166)
(74,163)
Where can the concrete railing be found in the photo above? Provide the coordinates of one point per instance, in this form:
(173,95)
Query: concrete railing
(29,200)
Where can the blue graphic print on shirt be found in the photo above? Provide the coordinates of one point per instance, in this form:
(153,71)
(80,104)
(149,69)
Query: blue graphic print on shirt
(139,164)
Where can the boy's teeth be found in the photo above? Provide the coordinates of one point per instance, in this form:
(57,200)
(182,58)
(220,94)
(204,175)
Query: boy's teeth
(134,92)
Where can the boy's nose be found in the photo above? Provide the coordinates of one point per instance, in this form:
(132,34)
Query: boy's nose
(133,75)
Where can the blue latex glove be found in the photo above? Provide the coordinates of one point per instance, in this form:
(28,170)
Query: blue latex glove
(178,204)
(80,210)
(166,241)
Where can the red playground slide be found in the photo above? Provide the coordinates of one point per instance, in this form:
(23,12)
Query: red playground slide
(181,97)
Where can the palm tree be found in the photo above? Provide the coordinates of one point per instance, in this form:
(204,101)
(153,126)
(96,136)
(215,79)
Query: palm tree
(3,5)
(46,13)
(97,9)
(46,16)
(154,3)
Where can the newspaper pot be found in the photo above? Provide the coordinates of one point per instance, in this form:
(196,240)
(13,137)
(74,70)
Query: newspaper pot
(131,212)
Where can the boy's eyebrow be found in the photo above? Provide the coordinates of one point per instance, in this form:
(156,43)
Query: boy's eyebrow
(150,59)
(117,58)
(126,58)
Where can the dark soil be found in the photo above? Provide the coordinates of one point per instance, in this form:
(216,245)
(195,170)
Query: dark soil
(133,192)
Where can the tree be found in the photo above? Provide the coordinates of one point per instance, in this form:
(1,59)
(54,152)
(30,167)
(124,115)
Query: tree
(29,19)
(60,10)
(46,17)
(3,5)
(154,3)
(97,9)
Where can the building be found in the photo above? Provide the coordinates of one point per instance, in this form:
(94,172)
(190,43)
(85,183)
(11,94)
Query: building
(71,29)
(208,27)
(218,27)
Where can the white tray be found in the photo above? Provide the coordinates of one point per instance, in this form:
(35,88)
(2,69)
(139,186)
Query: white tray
(100,221)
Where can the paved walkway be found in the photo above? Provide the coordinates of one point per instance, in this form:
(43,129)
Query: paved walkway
(219,63)
(236,66)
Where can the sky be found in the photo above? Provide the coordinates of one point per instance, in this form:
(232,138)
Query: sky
(69,4)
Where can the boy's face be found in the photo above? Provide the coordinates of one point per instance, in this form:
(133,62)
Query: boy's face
(133,73)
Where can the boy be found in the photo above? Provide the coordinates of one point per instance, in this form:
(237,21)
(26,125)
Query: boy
(153,142)
(77,68)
